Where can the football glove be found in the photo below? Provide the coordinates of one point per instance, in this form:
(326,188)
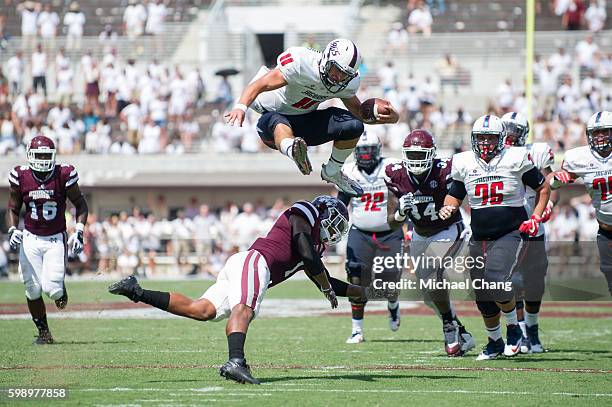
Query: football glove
(15,237)
(406,202)
(531,226)
(547,212)
(331,297)
(75,241)
(559,178)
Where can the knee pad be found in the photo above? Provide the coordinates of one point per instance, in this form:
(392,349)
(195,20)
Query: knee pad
(350,129)
(356,273)
(520,304)
(487,309)
(53,289)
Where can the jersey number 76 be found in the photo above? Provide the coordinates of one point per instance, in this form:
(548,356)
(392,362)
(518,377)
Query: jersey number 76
(489,193)
(600,183)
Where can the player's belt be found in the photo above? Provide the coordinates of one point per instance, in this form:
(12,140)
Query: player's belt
(375,234)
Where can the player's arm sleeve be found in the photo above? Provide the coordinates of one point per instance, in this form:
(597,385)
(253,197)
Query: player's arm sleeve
(72,177)
(13,178)
(391,179)
(344,198)
(549,158)
(302,221)
(533,178)
(457,190)
(289,65)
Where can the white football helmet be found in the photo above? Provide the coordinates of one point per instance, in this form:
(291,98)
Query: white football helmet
(517,129)
(367,151)
(488,125)
(599,132)
(345,57)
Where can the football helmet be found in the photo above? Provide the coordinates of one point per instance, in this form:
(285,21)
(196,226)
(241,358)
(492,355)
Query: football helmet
(367,151)
(343,55)
(334,218)
(41,154)
(517,129)
(483,144)
(599,133)
(419,150)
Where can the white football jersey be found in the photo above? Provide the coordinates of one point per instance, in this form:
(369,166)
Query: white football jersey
(305,90)
(597,176)
(498,183)
(542,157)
(369,212)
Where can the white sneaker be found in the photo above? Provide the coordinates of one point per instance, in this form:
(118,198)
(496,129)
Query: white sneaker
(356,337)
(344,183)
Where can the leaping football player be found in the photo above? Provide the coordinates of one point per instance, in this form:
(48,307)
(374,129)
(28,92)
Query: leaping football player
(417,188)
(43,187)
(370,236)
(529,282)
(494,179)
(592,163)
(287,97)
(295,242)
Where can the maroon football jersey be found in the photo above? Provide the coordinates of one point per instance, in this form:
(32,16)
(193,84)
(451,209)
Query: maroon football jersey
(429,194)
(277,247)
(44,201)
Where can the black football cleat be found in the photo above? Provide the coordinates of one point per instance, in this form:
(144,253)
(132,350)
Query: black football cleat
(128,287)
(237,370)
(44,338)
(61,302)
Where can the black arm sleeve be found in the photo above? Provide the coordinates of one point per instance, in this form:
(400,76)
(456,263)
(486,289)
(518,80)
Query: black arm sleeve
(344,198)
(340,287)
(533,178)
(457,190)
(302,242)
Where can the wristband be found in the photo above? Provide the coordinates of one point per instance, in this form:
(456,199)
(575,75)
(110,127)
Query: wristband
(399,217)
(241,106)
(79,227)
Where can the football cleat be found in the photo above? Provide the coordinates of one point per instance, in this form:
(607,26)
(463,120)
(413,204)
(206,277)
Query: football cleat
(344,183)
(467,340)
(452,339)
(514,337)
(128,287)
(525,345)
(356,337)
(492,349)
(534,339)
(236,369)
(394,319)
(299,152)
(44,338)
(61,302)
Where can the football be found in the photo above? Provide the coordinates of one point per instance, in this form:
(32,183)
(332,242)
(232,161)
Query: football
(371,108)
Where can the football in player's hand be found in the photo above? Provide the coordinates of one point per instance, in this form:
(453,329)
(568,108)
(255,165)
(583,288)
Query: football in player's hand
(371,108)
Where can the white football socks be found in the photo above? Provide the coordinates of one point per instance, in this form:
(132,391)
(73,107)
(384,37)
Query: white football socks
(531,319)
(495,333)
(357,325)
(523,328)
(336,160)
(286,145)
(511,318)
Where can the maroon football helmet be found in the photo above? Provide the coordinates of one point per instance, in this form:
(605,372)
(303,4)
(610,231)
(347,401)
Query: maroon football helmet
(419,150)
(41,154)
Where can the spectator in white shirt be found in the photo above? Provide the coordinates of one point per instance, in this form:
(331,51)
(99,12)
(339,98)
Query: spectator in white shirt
(109,78)
(48,20)
(188,129)
(107,38)
(64,88)
(397,37)
(97,141)
(39,70)
(14,73)
(134,18)
(388,77)
(505,96)
(150,140)
(585,54)
(155,18)
(74,20)
(132,116)
(246,227)
(58,116)
(120,146)
(561,61)
(420,20)
(596,15)
(67,140)
(29,11)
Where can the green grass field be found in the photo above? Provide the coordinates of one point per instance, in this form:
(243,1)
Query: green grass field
(300,360)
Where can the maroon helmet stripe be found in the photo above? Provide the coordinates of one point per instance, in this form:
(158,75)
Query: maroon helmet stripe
(354,60)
